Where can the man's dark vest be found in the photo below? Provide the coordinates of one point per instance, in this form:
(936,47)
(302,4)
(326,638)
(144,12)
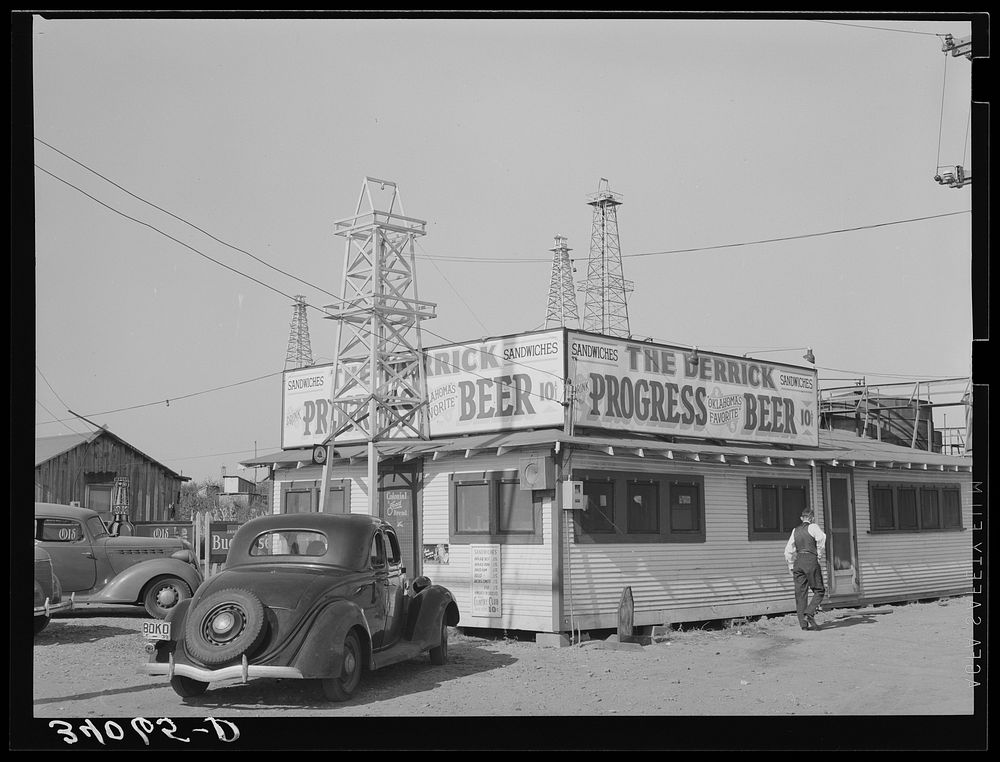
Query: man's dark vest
(804,542)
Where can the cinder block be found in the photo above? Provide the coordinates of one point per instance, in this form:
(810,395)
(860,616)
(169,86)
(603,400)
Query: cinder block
(661,633)
(551,639)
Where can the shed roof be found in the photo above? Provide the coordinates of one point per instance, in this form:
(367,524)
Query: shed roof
(47,448)
(835,448)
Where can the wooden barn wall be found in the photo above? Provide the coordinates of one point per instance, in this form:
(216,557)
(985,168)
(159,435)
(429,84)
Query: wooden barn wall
(918,564)
(64,478)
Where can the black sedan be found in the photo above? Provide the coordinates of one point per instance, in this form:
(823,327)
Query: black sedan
(303,596)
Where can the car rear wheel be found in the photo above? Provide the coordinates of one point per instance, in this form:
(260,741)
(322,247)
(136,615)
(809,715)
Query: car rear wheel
(342,688)
(186,687)
(40,622)
(224,625)
(439,655)
(163,594)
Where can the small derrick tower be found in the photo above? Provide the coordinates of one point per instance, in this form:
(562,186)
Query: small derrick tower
(299,352)
(562,306)
(605,288)
(380,390)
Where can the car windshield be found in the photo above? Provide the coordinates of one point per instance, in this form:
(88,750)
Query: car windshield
(97,528)
(289,542)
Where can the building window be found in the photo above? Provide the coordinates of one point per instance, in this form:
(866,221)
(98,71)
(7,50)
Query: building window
(639,507)
(97,497)
(774,507)
(491,507)
(303,497)
(643,501)
(914,507)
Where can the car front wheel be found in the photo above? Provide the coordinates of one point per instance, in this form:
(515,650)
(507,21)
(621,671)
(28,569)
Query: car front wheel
(439,655)
(341,688)
(163,595)
(40,622)
(185,687)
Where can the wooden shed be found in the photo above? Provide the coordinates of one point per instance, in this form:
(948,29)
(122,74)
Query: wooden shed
(84,467)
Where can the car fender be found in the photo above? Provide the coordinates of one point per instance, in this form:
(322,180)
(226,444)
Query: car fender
(323,646)
(127,586)
(425,613)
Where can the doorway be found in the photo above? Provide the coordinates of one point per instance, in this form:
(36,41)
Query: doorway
(838,491)
(399,504)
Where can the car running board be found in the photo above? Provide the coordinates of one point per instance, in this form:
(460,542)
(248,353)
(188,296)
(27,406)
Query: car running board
(400,652)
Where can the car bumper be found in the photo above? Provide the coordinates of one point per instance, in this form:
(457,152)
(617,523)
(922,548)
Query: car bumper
(48,608)
(242,671)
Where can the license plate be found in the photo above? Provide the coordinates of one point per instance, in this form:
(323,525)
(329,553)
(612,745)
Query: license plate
(156,629)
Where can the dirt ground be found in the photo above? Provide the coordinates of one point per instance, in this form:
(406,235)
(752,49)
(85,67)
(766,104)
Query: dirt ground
(908,659)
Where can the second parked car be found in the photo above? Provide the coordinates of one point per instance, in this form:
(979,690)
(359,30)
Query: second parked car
(49,598)
(157,573)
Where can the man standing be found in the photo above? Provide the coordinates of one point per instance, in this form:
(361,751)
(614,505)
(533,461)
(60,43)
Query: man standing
(803,552)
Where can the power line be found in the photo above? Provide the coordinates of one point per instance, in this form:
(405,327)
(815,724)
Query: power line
(459,295)
(272,288)
(510,260)
(41,405)
(443,338)
(879,28)
(178,218)
(167,235)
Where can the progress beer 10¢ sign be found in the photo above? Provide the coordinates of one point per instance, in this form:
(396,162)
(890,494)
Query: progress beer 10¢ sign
(639,386)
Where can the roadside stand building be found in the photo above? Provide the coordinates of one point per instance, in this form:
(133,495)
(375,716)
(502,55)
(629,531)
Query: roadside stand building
(564,466)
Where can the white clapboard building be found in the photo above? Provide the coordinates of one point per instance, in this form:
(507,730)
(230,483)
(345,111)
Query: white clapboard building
(564,466)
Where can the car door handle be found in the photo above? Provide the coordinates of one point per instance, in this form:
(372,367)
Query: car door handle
(88,554)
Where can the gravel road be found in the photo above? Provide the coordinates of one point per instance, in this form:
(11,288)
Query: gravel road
(878,661)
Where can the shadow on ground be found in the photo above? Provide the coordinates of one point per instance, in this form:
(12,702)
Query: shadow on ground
(98,694)
(58,633)
(398,680)
(849,620)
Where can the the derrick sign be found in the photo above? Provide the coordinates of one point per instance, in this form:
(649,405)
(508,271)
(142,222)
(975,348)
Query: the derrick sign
(643,387)
(496,385)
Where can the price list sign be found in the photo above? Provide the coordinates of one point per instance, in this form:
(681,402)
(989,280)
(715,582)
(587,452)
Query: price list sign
(485,580)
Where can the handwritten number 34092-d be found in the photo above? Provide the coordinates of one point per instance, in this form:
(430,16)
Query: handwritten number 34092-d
(224,730)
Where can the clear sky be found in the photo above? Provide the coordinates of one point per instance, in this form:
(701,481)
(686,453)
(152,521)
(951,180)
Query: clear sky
(260,132)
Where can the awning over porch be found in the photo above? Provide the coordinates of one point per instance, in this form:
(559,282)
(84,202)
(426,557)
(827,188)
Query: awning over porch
(836,448)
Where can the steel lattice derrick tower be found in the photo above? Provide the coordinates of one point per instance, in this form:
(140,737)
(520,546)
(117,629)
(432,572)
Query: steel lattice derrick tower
(605,288)
(379,389)
(299,352)
(562,293)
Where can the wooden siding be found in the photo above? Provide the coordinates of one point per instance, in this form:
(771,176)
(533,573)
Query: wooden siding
(63,479)
(728,575)
(918,564)
(526,584)
(679,582)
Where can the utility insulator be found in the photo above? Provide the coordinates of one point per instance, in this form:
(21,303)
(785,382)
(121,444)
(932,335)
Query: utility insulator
(956,179)
(961,46)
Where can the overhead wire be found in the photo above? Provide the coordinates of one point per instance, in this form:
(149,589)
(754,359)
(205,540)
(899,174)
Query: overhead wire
(219,240)
(879,28)
(276,290)
(944,81)
(513,260)
(326,313)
